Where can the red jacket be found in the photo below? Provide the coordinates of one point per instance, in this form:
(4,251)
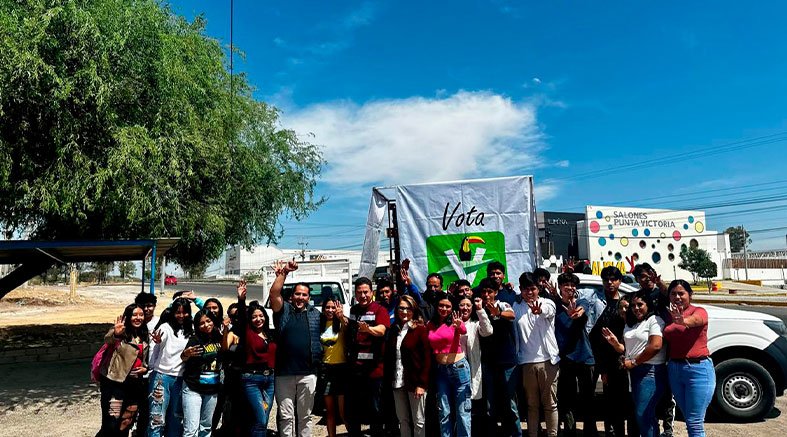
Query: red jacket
(416,357)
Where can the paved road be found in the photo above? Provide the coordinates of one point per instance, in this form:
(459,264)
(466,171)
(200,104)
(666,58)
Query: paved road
(220,290)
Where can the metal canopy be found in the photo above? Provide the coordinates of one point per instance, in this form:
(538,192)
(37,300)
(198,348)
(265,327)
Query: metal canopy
(36,257)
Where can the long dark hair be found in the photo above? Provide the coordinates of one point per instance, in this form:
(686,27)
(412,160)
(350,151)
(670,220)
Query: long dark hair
(338,323)
(254,306)
(645,296)
(131,331)
(188,323)
(215,335)
(449,319)
(216,301)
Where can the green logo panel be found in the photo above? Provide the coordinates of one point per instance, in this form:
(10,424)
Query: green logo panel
(469,253)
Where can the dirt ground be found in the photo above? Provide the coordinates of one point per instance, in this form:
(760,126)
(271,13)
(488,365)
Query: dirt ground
(57,398)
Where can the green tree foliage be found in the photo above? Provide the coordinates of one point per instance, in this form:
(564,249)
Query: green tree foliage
(102,270)
(737,236)
(126,269)
(698,262)
(117,120)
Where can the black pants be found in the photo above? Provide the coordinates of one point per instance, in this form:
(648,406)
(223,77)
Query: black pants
(363,403)
(619,405)
(130,393)
(576,378)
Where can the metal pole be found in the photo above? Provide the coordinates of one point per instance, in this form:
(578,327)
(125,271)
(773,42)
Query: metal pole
(144,259)
(153,270)
(163,269)
(745,253)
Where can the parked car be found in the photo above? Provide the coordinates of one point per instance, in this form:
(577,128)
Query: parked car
(170,280)
(749,352)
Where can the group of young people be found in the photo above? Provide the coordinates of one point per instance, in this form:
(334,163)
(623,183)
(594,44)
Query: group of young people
(408,362)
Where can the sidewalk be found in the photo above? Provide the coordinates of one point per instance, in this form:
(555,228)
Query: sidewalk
(731,292)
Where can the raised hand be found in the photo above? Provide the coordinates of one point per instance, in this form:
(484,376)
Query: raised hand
(457,320)
(574,311)
(551,288)
(120,326)
(193,351)
(241,289)
(404,273)
(155,336)
(676,311)
(494,310)
(610,337)
(226,322)
(535,307)
(478,304)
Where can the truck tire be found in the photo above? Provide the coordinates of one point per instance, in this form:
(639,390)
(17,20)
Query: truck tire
(745,391)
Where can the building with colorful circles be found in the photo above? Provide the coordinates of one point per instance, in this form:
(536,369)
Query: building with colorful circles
(625,237)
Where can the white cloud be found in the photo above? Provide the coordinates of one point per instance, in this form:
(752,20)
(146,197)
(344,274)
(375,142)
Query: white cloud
(562,164)
(536,80)
(545,190)
(467,134)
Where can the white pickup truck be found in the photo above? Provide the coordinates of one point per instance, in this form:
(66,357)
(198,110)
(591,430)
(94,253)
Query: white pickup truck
(749,352)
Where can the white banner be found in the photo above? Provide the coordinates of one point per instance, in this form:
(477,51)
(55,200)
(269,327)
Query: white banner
(457,228)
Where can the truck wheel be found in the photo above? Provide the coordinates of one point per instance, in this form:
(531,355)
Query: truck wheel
(745,391)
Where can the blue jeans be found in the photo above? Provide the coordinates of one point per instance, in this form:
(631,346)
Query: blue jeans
(197,412)
(499,385)
(453,397)
(259,393)
(166,407)
(648,383)
(693,385)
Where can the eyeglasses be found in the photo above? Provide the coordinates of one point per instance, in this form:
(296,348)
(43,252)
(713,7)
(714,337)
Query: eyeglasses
(404,308)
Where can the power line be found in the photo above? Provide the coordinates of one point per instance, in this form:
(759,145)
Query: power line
(700,153)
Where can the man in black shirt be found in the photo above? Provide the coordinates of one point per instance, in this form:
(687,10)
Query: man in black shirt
(298,353)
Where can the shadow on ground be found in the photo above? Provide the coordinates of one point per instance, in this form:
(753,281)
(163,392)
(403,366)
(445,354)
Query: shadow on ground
(54,385)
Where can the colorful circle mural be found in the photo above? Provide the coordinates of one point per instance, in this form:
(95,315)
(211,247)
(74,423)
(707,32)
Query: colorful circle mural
(634,232)
(594,226)
(647,232)
(602,241)
(656,257)
(676,235)
(624,241)
(599,214)
(699,227)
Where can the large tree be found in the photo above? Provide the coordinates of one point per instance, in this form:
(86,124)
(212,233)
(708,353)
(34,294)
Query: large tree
(118,120)
(738,235)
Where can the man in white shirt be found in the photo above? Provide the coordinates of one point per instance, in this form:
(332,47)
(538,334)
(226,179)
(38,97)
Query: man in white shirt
(537,353)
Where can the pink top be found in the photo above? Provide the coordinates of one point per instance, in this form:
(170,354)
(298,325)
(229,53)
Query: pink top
(445,339)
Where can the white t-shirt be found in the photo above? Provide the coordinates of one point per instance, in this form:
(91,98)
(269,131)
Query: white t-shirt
(168,352)
(636,339)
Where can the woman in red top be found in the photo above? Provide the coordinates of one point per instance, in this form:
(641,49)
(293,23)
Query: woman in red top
(260,351)
(407,366)
(453,370)
(691,374)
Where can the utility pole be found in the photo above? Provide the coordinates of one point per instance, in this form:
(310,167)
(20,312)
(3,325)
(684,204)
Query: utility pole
(745,254)
(304,244)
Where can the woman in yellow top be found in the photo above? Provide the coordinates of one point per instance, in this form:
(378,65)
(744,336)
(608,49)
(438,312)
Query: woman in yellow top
(333,374)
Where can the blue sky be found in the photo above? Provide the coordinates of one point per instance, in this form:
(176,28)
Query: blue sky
(574,93)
